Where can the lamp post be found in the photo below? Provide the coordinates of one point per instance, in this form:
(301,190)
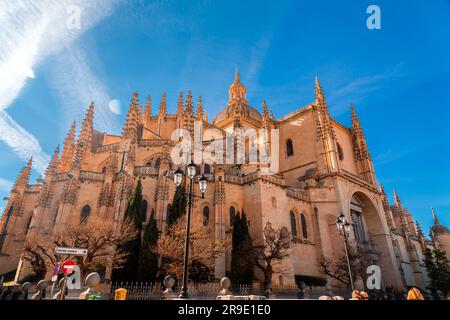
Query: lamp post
(344,229)
(202,182)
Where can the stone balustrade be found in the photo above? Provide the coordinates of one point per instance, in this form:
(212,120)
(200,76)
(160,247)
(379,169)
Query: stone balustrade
(108,147)
(92,176)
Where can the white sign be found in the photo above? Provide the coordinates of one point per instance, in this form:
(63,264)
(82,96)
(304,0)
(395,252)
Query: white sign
(71,251)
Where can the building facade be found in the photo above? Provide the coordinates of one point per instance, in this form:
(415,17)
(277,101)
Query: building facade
(322,168)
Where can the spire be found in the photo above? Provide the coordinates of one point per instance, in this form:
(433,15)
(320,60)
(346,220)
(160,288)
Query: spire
(435,219)
(54,163)
(386,207)
(265,116)
(130,127)
(68,149)
(180,104)
(205,117)
(320,97)
(271,114)
(189,106)
(199,114)
(356,125)
(24,176)
(87,127)
(163,106)
(148,111)
(419,230)
(236,76)
(397,199)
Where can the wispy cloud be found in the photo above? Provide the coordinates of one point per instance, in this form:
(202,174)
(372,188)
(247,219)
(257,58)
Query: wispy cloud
(31,31)
(22,142)
(72,78)
(392,155)
(358,89)
(256,60)
(5,185)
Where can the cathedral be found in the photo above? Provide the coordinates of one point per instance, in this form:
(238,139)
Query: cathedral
(323,169)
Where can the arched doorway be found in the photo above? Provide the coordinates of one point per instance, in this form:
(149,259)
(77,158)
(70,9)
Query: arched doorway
(372,237)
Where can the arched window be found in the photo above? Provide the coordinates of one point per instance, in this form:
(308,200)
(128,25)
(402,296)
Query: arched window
(55,216)
(169,212)
(27,225)
(143,211)
(158,163)
(293,224)
(232,215)
(289,148)
(85,212)
(304,226)
(340,152)
(205,216)
(207,168)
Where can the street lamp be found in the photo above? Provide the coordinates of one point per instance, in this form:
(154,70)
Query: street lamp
(344,229)
(202,183)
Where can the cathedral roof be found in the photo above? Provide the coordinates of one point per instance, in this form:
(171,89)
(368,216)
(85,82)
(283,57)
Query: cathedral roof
(229,110)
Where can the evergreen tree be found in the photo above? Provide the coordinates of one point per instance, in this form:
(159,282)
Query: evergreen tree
(242,261)
(438,269)
(179,203)
(131,219)
(148,260)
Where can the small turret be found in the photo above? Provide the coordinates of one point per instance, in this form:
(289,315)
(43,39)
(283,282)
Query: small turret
(23,179)
(148,111)
(54,163)
(180,105)
(199,114)
(163,106)
(131,121)
(68,149)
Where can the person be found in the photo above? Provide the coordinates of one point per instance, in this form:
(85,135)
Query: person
(355,295)
(414,294)
(363,295)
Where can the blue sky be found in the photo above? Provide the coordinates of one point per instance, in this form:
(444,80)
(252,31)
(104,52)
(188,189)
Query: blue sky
(397,77)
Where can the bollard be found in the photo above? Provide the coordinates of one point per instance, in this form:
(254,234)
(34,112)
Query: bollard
(169,283)
(41,290)
(225,284)
(120,294)
(92,281)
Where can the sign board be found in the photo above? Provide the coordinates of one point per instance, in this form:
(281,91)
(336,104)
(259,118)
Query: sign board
(56,269)
(71,251)
(68,267)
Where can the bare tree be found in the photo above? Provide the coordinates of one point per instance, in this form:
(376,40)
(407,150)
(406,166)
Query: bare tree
(203,247)
(272,252)
(96,235)
(338,268)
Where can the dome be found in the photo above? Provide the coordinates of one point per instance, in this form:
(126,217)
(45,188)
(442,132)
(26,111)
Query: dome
(228,112)
(237,99)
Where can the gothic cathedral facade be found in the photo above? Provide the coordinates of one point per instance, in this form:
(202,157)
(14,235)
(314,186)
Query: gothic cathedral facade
(324,168)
